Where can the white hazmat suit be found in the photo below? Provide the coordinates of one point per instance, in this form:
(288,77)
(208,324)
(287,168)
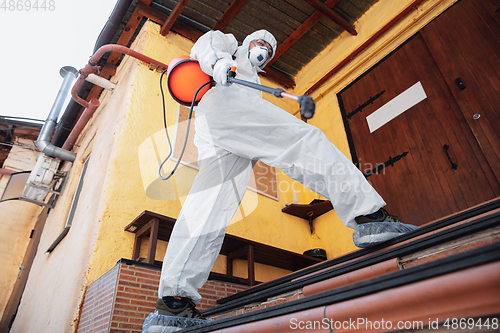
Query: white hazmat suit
(235,126)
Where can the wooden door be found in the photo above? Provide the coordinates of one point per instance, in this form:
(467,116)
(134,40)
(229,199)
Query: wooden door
(439,158)
(465,43)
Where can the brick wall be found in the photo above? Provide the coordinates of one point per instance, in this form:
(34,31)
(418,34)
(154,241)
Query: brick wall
(136,295)
(121,299)
(98,303)
(214,290)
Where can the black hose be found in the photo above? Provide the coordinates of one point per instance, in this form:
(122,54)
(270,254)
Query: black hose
(166,131)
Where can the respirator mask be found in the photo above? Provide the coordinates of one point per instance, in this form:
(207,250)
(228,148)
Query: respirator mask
(257,54)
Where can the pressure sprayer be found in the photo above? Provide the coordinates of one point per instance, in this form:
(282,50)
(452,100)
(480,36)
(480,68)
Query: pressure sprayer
(187,84)
(185,77)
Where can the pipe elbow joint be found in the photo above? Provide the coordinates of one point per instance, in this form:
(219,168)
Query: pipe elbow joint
(51,150)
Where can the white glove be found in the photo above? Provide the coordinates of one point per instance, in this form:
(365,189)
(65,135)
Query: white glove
(220,70)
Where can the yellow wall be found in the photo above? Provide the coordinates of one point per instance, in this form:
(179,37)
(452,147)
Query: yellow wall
(17,220)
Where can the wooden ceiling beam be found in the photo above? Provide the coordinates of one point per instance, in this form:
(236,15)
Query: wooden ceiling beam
(325,10)
(301,31)
(169,22)
(186,31)
(229,14)
(160,18)
(281,78)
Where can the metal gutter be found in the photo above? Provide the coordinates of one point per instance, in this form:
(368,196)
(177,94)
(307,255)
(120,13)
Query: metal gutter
(473,273)
(112,24)
(22,121)
(339,267)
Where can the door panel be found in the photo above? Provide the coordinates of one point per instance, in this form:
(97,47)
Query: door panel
(424,185)
(465,46)
(464,149)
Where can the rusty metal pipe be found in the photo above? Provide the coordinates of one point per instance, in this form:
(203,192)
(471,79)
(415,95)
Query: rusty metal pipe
(92,68)
(83,73)
(125,50)
(6,172)
(80,124)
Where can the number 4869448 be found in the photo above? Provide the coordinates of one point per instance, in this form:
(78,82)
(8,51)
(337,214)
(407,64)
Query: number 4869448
(471,323)
(27,5)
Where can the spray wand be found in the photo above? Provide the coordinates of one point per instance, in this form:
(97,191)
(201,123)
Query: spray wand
(307,105)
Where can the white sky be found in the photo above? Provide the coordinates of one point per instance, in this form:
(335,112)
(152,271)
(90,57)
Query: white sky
(36,44)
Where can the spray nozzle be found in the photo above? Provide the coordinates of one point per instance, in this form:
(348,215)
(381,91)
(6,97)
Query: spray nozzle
(307,106)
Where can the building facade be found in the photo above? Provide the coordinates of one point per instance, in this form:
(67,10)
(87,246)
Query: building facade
(113,178)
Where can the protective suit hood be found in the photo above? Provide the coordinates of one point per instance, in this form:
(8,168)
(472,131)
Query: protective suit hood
(265,36)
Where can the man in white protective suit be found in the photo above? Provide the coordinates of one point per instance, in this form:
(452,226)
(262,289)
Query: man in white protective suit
(235,126)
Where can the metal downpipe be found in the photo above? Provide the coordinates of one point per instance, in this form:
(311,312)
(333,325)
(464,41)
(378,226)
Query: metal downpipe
(43,141)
